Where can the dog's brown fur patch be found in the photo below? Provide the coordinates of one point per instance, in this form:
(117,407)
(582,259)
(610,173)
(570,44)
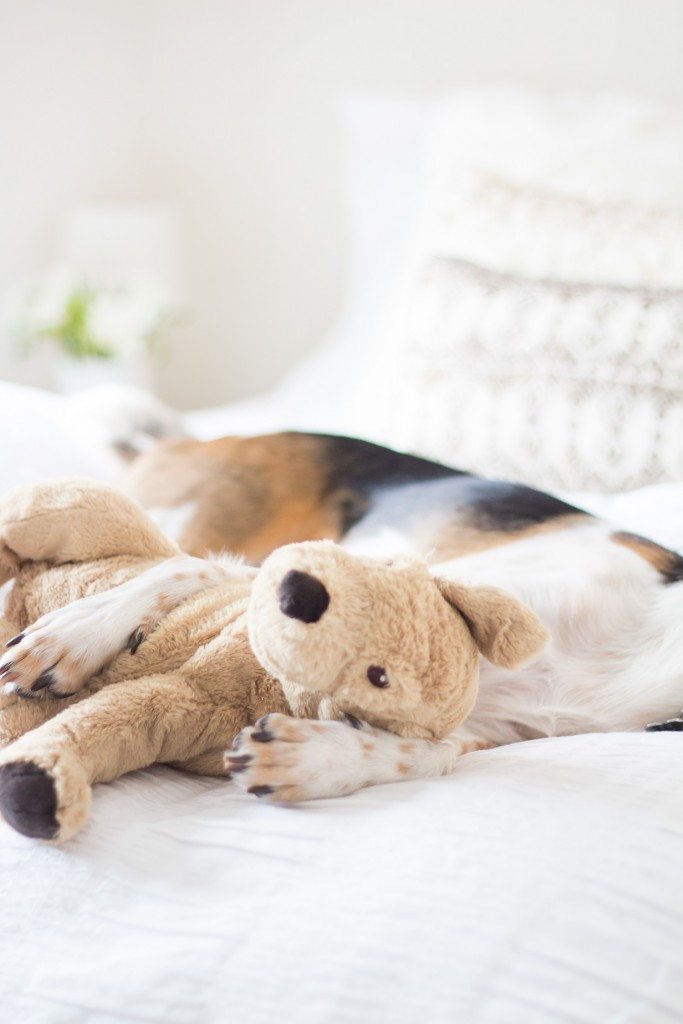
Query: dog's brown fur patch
(667,563)
(254,494)
(474,745)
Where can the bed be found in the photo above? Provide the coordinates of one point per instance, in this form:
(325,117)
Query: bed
(540,883)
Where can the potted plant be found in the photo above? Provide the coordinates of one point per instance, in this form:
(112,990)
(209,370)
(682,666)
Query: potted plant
(95,332)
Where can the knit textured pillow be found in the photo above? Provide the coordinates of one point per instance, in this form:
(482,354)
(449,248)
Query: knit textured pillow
(528,229)
(557,384)
(568,188)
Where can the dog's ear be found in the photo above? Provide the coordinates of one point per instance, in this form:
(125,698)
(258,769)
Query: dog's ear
(506,632)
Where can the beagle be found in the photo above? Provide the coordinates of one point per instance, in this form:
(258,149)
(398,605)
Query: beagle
(612,601)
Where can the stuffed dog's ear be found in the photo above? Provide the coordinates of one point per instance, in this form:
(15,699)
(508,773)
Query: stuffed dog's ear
(506,632)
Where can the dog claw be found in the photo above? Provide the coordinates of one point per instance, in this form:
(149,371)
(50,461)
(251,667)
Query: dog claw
(261,733)
(260,790)
(351,720)
(262,737)
(15,640)
(134,640)
(46,679)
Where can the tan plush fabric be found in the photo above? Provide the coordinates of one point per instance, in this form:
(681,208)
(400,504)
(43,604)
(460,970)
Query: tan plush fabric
(506,632)
(423,632)
(213,665)
(191,686)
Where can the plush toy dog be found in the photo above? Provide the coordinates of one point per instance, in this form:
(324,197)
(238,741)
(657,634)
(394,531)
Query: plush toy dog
(388,642)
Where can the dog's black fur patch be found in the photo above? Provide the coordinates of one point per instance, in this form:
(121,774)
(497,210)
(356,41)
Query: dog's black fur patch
(363,466)
(366,477)
(28,800)
(499,505)
(356,471)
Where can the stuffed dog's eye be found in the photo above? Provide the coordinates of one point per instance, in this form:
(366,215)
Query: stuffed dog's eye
(378,676)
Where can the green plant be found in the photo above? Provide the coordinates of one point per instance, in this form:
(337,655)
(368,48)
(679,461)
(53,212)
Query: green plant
(72,330)
(88,321)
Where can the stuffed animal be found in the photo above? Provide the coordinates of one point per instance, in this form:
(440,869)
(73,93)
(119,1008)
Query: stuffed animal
(386,642)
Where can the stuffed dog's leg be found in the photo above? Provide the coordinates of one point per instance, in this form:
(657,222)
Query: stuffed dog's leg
(46,775)
(74,521)
(288,760)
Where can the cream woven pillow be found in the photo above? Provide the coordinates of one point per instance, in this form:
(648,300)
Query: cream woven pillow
(568,188)
(536,231)
(560,385)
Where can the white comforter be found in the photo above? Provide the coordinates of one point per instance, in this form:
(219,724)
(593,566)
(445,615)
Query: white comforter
(540,883)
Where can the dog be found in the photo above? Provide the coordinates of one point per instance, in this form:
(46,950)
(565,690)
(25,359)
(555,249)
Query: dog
(611,601)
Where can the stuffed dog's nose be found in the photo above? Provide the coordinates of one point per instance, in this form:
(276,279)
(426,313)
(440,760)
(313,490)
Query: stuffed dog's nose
(302,596)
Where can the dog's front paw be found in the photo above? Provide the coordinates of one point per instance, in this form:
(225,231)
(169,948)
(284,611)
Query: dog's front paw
(60,652)
(40,661)
(288,760)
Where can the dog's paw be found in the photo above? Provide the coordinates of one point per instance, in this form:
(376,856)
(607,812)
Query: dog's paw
(670,725)
(60,652)
(288,760)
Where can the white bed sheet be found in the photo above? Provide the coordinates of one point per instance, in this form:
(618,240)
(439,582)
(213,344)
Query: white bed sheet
(540,883)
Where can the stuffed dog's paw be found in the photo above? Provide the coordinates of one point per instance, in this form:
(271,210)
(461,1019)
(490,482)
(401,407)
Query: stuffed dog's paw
(28,799)
(42,800)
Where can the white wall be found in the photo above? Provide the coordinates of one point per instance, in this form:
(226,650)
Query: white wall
(225,109)
(72,124)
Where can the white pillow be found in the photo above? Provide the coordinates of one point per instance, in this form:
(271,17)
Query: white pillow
(529,229)
(559,385)
(579,189)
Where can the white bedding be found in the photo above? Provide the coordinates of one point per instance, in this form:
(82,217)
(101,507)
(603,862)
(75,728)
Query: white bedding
(540,883)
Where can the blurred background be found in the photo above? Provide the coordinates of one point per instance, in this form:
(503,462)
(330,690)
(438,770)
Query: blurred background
(179,174)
